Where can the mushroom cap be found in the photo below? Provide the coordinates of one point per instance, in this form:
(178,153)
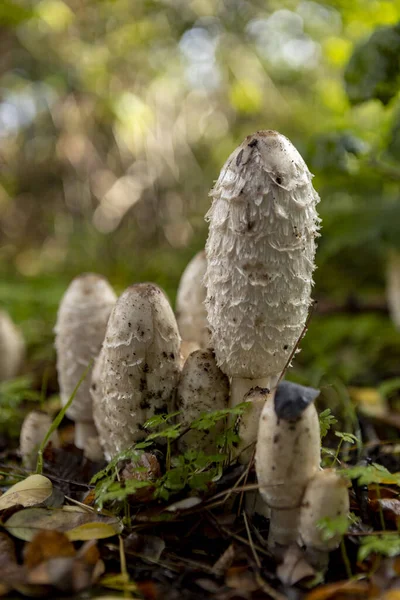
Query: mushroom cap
(190,308)
(326,495)
(12,347)
(81,324)
(139,364)
(260,256)
(202,388)
(33,431)
(287,455)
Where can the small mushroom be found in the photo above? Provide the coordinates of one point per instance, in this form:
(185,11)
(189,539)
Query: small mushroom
(287,456)
(248,423)
(190,309)
(326,496)
(12,347)
(139,367)
(260,259)
(202,388)
(33,431)
(186,349)
(81,325)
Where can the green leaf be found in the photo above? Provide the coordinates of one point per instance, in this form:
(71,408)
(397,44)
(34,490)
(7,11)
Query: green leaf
(326,420)
(347,437)
(331,527)
(371,474)
(373,70)
(387,545)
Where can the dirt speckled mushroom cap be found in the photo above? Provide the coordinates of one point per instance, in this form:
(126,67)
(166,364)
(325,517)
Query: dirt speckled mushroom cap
(80,329)
(190,308)
(202,388)
(12,347)
(140,366)
(260,255)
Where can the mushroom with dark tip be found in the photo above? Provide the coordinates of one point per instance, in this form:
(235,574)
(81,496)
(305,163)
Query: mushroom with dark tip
(287,456)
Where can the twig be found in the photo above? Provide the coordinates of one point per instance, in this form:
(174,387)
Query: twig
(256,558)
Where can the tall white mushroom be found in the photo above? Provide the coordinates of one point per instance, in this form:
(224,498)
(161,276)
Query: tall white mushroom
(12,347)
(287,456)
(202,388)
(190,310)
(260,259)
(139,366)
(80,329)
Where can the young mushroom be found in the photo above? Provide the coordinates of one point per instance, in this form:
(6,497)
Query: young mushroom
(190,309)
(139,367)
(81,325)
(260,259)
(34,429)
(287,456)
(326,496)
(248,423)
(202,388)
(12,347)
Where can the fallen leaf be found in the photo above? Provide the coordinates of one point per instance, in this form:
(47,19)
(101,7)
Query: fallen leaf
(294,567)
(26,523)
(32,491)
(46,545)
(343,590)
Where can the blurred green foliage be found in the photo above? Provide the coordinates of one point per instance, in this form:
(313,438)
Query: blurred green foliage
(116,117)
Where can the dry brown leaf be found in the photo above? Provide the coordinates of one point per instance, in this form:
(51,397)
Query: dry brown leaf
(242,579)
(46,545)
(343,590)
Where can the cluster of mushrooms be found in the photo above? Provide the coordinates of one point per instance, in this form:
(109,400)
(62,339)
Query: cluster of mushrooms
(242,306)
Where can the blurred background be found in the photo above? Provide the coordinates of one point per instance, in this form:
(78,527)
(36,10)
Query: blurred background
(116,117)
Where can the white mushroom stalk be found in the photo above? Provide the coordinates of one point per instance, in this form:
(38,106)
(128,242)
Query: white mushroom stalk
(12,347)
(202,388)
(33,431)
(80,329)
(287,456)
(260,259)
(138,368)
(190,309)
(326,496)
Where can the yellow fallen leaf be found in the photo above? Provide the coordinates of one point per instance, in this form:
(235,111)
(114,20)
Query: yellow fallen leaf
(32,491)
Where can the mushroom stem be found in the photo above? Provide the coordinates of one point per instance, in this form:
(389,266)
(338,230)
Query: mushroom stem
(240,387)
(83,431)
(248,423)
(283,526)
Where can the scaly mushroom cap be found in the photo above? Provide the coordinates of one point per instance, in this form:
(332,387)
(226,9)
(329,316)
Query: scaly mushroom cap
(190,309)
(12,347)
(260,255)
(202,388)
(81,325)
(326,496)
(287,452)
(140,366)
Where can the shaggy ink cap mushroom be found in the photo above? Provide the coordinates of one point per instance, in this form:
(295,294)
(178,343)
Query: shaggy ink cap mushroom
(202,388)
(81,325)
(12,347)
(190,309)
(260,259)
(287,458)
(33,431)
(248,423)
(140,366)
(326,496)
